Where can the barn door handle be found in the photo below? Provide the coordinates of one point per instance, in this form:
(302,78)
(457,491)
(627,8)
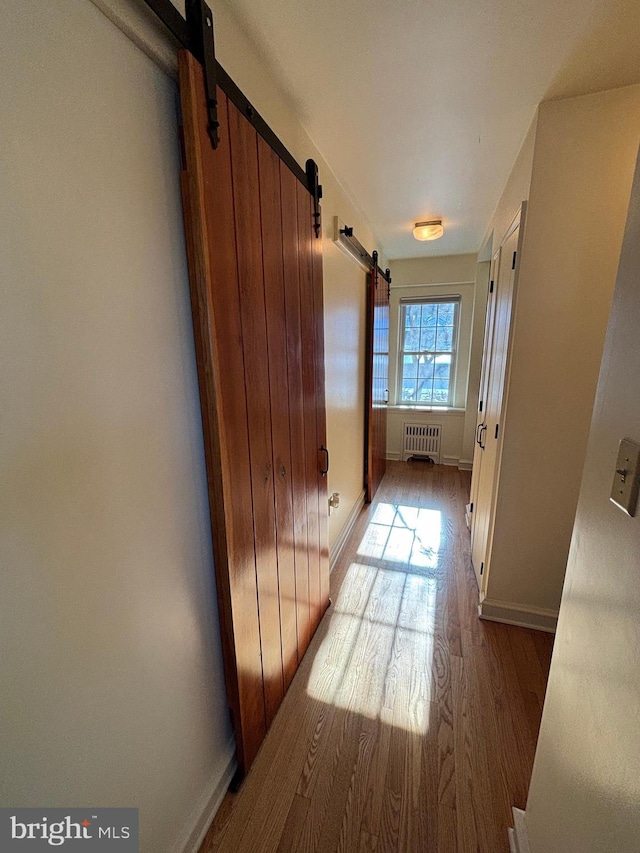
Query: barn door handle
(479,429)
(325,470)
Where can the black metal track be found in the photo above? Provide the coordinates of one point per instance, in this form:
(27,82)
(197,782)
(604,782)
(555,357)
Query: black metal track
(358,248)
(172,19)
(177,25)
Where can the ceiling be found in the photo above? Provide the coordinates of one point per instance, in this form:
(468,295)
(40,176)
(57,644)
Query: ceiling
(420,106)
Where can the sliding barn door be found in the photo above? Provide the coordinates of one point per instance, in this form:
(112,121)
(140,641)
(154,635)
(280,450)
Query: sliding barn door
(256,284)
(377,382)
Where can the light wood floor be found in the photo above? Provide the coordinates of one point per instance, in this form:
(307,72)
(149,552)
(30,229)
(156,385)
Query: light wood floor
(411,725)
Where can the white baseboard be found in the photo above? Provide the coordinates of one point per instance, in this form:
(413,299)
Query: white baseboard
(518,837)
(394,457)
(465,465)
(518,614)
(338,545)
(450,460)
(205,809)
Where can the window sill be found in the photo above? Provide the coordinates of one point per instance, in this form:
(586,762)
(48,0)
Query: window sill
(440,410)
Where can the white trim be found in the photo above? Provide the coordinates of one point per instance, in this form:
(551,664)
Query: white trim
(431,284)
(465,465)
(205,809)
(338,545)
(451,461)
(518,836)
(518,614)
(146,31)
(394,456)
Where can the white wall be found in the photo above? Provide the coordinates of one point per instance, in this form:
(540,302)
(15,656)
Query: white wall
(516,191)
(111,669)
(448,275)
(583,166)
(585,787)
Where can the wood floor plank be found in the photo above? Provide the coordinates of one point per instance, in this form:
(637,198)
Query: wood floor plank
(294,824)
(410,725)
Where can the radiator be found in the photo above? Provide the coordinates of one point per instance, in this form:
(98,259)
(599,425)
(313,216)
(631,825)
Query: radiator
(422,440)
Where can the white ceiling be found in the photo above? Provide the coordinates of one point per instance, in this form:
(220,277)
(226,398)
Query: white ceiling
(420,106)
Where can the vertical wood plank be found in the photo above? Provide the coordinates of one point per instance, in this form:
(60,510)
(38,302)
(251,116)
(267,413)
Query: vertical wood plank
(271,218)
(309,378)
(289,201)
(321,420)
(217,325)
(244,167)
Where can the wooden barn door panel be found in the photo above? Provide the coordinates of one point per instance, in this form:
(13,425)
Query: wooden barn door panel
(246,192)
(377,369)
(290,247)
(219,346)
(274,295)
(309,382)
(256,280)
(321,424)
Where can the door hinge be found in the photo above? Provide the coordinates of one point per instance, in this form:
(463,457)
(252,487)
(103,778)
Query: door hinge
(497,430)
(491,287)
(481,405)
(513,262)
(481,568)
(471,507)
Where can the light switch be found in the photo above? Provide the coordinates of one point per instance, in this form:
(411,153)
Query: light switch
(626,480)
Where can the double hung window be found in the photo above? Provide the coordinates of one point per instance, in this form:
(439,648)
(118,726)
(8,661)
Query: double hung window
(428,344)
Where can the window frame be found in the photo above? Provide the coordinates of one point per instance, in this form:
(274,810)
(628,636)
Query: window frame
(403,303)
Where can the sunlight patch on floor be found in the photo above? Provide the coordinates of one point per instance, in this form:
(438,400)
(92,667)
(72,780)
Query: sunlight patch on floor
(403,534)
(376,658)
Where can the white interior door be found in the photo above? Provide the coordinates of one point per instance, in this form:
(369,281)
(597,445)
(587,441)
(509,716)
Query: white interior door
(489,326)
(488,437)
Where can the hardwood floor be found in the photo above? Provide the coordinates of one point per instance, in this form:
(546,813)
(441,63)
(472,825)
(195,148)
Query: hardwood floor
(411,725)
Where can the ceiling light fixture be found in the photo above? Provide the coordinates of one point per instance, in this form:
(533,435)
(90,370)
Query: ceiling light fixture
(428,230)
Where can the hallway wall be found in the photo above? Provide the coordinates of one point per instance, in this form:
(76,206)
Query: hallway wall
(585,787)
(113,690)
(583,164)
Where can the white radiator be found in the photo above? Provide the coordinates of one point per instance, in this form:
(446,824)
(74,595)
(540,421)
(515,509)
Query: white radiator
(422,440)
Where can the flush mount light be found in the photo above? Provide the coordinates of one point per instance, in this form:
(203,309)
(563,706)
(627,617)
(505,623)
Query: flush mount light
(428,230)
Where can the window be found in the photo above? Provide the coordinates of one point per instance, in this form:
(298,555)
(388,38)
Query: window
(428,342)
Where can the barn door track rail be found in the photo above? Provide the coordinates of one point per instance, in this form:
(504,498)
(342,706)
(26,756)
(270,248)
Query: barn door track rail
(196,34)
(347,237)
